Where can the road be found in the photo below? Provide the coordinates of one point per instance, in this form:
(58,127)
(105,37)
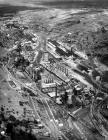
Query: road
(98,119)
(47,116)
(50,127)
(52,119)
(49,119)
(51,124)
(85,79)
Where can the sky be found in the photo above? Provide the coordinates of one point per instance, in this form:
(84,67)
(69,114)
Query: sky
(31,3)
(34,3)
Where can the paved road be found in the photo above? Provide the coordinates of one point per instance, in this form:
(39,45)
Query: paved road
(98,119)
(51,122)
(50,117)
